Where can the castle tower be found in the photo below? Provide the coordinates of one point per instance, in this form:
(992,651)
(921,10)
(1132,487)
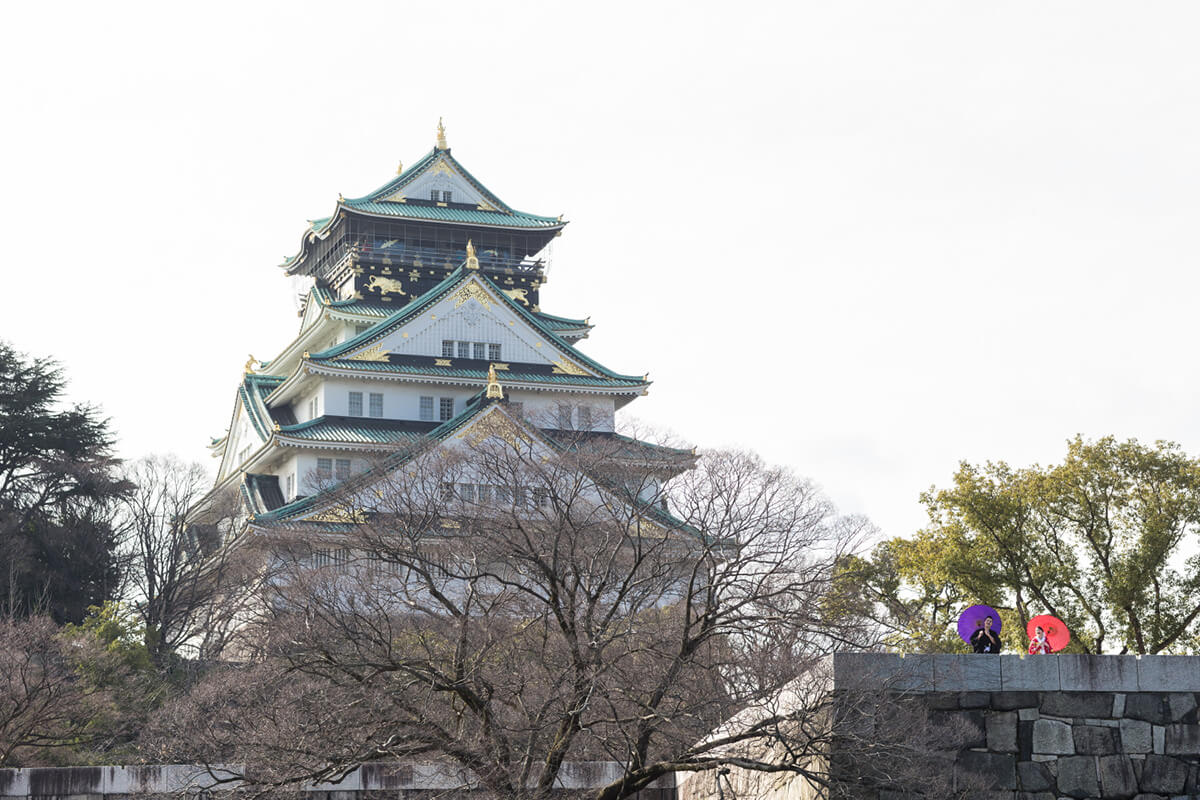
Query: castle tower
(421,290)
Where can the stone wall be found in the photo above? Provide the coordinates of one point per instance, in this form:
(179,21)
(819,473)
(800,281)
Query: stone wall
(1046,727)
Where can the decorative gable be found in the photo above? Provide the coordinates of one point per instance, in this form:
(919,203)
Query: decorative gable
(441,177)
(475,314)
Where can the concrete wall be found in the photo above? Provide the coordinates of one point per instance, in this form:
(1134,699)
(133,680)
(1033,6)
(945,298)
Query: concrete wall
(372,781)
(1046,727)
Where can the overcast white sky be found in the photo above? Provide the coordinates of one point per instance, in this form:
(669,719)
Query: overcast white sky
(866,239)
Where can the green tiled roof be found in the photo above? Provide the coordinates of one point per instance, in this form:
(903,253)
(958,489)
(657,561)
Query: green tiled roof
(420,304)
(357,430)
(561,323)
(512,375)
(468,216)
(438,433)
(252,391)
(619,445)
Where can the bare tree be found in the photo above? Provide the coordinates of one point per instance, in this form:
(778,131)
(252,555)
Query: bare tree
(184,581)
(45,703)
(526,601)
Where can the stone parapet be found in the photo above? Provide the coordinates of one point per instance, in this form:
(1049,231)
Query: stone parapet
(1053,673)
(1057,726)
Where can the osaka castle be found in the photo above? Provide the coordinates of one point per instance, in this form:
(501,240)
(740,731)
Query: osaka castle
(422,323)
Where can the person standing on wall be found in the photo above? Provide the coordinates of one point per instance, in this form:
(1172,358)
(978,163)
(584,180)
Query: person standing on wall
(986,640)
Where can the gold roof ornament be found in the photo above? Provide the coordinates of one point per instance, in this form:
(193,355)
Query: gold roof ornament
(494,390)
(472,260)
(251,365)
(441,140)
(399,167)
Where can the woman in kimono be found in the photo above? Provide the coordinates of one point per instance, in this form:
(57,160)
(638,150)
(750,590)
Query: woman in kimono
(1039,644)
(986,640)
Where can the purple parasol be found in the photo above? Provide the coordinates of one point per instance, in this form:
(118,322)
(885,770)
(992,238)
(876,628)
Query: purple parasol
(971,620)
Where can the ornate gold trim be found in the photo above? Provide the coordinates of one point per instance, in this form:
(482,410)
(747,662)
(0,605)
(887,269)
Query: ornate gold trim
(495,424)
(472,260)
(494,390)
(376,353)
(565,367)
(441,136)
(441,362)
(340,515)
(500,366)
(484,205)
(475,291)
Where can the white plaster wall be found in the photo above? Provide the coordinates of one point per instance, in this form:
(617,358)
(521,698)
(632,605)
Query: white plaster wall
(541,408)
(400,400)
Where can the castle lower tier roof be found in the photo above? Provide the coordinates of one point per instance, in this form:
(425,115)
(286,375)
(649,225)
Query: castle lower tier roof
(476,370)
(357,430)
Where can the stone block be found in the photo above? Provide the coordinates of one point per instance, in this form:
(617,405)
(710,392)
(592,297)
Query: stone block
(882,671)
(1052,737)
(1159,734)
(1169,674)
(1163,775)
(1001,731)
(1035,673)
(1182,740)
(1101,723)
(1011,701)
(1091,740)
(975,673)
(964,728)
(1083,673)
(1151,707)
(1135,736)
(1077,704)
(1182,706)
(942,701)
(1077,777)
(1116,777)
(1033,776)
(1036,796)
(974,699)
(1024,740)
(1118,705)
(1029,714)
(997,769)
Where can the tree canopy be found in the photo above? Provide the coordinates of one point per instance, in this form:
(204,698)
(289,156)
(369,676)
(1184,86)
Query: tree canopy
(1098,540)
(58,487)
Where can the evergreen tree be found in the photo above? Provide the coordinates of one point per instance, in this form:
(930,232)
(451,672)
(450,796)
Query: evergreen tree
(58,487)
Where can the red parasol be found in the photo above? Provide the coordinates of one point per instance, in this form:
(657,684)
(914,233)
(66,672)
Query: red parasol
(1056,632)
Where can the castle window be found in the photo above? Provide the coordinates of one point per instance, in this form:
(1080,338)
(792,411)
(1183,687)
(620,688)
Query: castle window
(464,349)
(376,404)
(324,469)
(291,487)
(361,329)
(342,469)
(447,348)
(435,195)
(466,492)
(493,352)
(564,417)
(427,409)
(585,418)
(355,404)
(445,408)
(314,407)
(478,350)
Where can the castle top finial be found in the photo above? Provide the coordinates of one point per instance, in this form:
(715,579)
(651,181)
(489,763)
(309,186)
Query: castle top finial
(441,140)
(494,390)
(399,167)
(472,259)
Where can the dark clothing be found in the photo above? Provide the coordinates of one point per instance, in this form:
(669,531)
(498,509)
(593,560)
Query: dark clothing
(983,641)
